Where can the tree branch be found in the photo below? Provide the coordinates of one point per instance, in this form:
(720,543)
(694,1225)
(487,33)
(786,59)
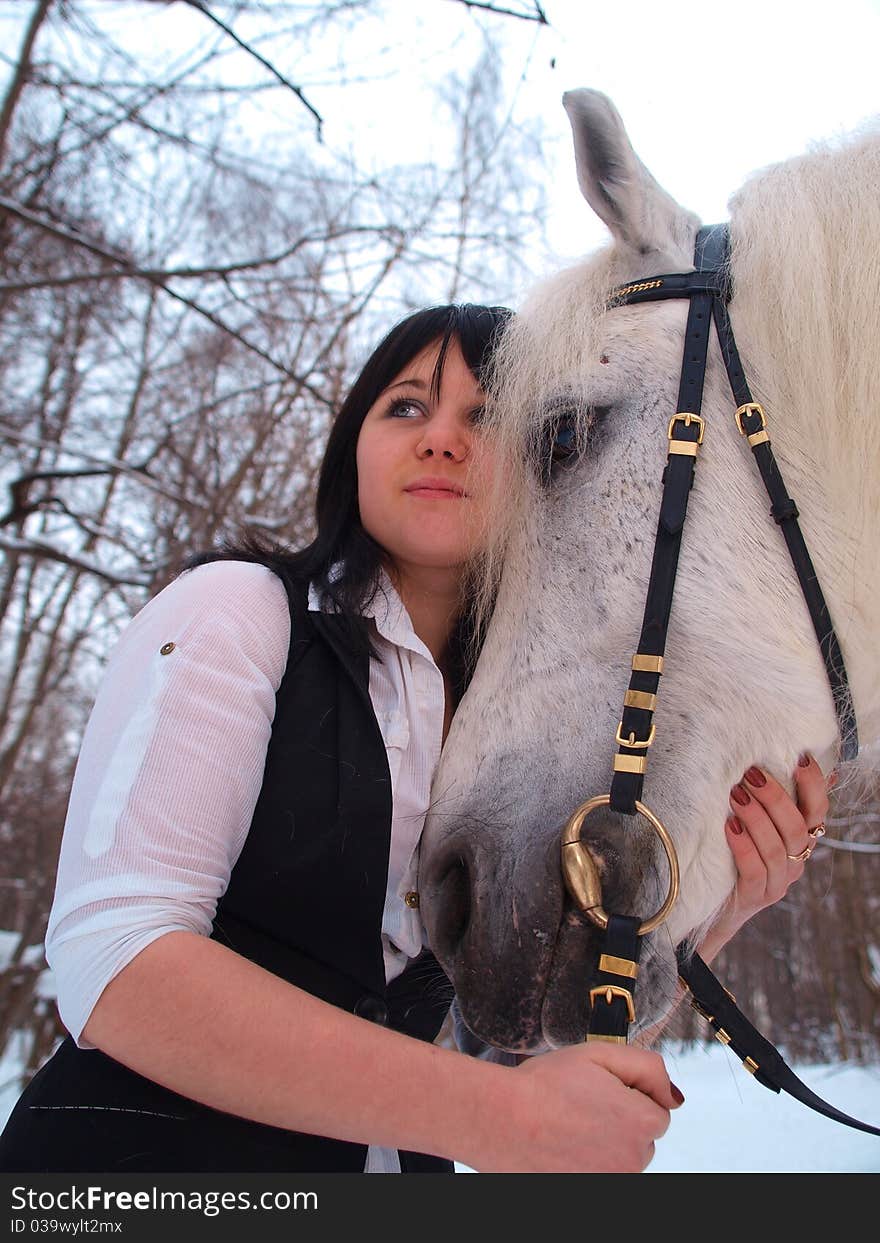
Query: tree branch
(158,275)
(36,548)
(131,268)
(201,7)
(538,16)
(22,71)
(107,466)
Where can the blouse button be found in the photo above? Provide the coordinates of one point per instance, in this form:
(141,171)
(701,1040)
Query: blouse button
(411,899)
(166,648)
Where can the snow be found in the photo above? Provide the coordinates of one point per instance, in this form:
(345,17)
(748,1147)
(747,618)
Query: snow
(729,1123)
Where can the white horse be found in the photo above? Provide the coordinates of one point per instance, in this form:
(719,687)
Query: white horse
(744,681)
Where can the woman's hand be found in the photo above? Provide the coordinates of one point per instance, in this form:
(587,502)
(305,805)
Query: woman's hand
(765,830)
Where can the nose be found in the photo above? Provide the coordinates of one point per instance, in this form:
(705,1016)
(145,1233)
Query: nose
(446,436)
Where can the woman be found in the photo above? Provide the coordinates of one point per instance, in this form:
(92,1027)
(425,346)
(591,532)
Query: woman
(235,931)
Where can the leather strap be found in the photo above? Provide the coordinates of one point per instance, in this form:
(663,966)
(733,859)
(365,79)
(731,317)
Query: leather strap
(678,479)
(612,1003)
(710,282)
(784,512)
(713,1002)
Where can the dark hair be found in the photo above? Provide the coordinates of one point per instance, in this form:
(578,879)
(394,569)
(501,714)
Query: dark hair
(340,536)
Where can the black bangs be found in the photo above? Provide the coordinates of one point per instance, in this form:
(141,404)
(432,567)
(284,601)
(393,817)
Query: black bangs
(476,329)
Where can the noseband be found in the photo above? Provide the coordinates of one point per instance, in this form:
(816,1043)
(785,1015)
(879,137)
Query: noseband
(611,1002)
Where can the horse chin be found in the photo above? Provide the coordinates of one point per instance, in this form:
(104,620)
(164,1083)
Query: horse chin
(537,1020)
(565,1011)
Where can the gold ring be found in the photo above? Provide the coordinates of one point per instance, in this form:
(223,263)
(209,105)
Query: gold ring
(804,855)
(818,830)
(582,876)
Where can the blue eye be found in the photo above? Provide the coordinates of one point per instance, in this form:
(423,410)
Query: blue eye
(404,408)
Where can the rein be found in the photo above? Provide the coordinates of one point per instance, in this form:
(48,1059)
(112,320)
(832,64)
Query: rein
(612,1007)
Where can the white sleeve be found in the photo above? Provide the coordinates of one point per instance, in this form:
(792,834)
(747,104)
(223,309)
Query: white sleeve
(168,775)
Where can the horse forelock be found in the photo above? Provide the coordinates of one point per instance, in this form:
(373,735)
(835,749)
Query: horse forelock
(539,361)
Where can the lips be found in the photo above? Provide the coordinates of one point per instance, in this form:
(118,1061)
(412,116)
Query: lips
(434,485)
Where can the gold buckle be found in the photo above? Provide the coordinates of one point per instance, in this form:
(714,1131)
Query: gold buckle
(609,992)
(687,418)
(632,743)
(751,407)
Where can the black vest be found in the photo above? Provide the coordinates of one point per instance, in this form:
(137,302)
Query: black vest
(304,901)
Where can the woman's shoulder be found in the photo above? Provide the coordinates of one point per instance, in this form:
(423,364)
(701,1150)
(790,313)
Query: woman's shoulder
(229,585)
(211,605)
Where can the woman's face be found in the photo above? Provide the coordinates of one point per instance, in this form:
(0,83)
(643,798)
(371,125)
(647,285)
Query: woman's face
(423,467)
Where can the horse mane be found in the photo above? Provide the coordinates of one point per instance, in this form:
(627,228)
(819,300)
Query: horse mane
(806,311)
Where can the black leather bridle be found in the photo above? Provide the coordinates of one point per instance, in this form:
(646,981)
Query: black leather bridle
(708,290)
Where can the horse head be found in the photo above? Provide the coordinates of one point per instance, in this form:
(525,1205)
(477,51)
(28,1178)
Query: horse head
(579,407)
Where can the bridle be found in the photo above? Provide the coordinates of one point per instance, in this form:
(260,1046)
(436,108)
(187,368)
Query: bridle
(612,1007)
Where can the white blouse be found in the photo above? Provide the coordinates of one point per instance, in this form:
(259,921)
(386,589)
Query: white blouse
(171,766)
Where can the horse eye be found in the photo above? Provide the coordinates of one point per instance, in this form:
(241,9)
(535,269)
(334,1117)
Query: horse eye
(564,438)
(562,431)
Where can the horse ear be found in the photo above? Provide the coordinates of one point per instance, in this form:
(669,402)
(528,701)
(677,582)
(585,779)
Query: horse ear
(616,184)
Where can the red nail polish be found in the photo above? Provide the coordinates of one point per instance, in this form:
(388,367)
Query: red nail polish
(734,825)
(755,778)
(677,1094)
(804,760)
(739,795)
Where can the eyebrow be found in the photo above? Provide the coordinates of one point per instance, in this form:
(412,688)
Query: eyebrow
(414,383)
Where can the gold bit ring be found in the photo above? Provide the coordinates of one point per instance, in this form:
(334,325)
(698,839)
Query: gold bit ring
(582,876)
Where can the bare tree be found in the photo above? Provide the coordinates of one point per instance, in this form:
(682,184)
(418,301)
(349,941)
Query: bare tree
(181,310)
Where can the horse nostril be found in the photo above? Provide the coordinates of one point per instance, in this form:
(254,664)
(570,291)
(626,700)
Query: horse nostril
(453,891)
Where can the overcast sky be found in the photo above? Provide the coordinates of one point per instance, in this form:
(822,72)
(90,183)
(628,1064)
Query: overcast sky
(708,91)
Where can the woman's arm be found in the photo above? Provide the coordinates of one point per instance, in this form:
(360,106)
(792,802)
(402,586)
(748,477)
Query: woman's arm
(168,775)
(199,1019)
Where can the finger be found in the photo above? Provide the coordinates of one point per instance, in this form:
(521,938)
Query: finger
(751,883)
(811,791)
(784,813)
(770,846)
(639,1069)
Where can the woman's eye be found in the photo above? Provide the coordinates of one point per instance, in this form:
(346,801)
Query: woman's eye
(404,408)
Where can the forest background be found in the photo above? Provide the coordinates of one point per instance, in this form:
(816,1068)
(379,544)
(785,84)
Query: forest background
(209,213)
